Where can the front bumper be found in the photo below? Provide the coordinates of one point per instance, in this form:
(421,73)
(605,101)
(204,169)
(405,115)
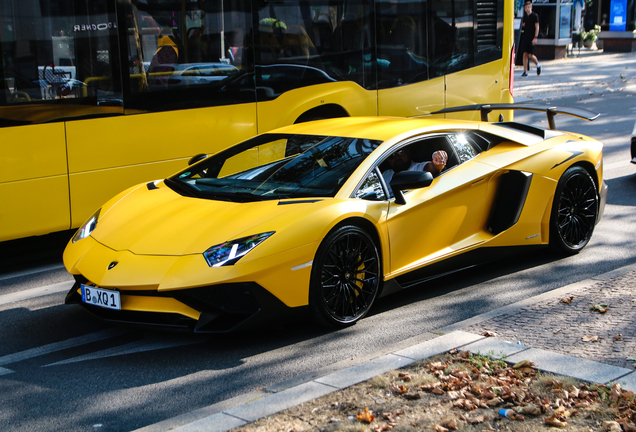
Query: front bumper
(213,309)
(603,201)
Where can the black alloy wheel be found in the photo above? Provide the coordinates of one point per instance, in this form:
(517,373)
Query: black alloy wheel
(574,211)
(345,277)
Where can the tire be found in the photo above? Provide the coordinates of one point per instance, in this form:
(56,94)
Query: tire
(574,211)
(345,277)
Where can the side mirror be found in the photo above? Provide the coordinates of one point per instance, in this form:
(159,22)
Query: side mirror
(407,180)
(197,158)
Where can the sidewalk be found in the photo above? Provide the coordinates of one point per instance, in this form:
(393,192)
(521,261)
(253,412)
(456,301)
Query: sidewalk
(542,329)
(559,331)
(611,72)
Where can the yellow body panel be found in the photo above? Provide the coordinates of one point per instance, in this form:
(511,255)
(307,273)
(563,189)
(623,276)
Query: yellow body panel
(144,147)
(427,96)
(45,210)
(89,190)
(478,85)
(439,219)
(286,108)
(34,196)
(153,137)
(32,152)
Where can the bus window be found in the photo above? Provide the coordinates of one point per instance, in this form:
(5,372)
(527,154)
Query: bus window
(300,44)
(188,54)
(402,43)
(60,64)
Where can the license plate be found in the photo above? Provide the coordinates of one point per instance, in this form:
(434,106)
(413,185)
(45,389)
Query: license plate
(101,297)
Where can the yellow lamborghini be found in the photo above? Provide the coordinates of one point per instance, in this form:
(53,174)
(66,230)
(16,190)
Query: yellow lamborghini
(323,217)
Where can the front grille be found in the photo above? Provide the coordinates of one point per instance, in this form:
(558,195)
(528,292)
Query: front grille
(230,298)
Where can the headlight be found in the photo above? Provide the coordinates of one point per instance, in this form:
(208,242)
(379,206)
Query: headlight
(88,227)
(229,253)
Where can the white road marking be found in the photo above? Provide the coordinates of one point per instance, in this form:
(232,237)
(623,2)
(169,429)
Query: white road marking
(151,343)
(31,271)
(57,346)
(35,292)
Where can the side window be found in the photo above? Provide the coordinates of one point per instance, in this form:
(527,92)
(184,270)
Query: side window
(371,188)
(465,150)
(61,55)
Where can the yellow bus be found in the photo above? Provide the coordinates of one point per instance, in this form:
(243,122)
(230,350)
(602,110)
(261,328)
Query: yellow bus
(103,94)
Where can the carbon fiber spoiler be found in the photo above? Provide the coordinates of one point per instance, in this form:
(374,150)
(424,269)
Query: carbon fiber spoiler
(551,111)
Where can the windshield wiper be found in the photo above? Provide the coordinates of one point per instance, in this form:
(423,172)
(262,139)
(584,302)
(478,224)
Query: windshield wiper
(182,188)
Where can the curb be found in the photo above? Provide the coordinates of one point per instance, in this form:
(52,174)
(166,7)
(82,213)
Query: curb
(242,410)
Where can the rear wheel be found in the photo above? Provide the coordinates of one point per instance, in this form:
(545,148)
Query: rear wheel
(574,211)
(345,277)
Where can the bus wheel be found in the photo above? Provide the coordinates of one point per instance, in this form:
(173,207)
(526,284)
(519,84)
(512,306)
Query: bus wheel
(322,112)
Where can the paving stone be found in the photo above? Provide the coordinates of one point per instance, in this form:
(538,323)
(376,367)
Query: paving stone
(560,327)
(280,401)
(362,372)
(455,339)
(586,370)
(216,423)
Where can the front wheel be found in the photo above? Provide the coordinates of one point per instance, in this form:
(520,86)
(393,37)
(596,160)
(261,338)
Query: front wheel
(345,277)
(574,211)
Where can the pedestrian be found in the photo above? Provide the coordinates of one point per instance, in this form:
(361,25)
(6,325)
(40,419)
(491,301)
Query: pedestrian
(529,34)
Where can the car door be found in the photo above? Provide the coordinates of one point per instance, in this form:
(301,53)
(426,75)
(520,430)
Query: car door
(447,217)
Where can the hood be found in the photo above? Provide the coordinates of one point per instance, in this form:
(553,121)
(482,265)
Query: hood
(162,222)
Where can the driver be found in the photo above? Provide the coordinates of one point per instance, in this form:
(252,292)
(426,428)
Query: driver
(401,161)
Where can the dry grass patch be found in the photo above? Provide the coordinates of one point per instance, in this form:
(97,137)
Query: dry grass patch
(461,391)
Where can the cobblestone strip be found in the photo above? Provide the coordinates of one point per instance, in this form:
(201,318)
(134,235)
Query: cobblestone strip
(561,327)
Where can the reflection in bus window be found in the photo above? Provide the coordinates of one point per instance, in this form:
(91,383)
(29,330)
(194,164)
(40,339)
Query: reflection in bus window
(334,37)
(188,53)
(68,51)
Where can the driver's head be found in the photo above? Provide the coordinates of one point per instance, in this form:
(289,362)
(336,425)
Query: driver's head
(400,160)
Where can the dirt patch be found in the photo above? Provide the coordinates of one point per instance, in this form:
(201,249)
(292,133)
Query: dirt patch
(461,391)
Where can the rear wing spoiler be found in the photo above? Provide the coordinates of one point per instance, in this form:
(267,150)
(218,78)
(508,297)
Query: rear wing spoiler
(551,111)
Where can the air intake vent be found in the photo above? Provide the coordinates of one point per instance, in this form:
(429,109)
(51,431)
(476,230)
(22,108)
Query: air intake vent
(486,25)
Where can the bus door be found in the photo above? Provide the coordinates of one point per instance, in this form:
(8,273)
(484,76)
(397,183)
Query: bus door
(470,54)
(314,60)
(186,87)
(408,84)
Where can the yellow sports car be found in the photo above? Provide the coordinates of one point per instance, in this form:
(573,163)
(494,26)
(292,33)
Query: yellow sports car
(328,216)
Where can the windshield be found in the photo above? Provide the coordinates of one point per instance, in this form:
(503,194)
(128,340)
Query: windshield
(275,166)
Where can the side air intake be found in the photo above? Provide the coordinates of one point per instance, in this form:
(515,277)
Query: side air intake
(511,196)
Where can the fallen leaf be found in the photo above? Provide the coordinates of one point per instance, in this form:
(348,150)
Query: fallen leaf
(404,376)
(618,337)
(401,389)
(366,416)
(590,338)
(530,409)
(601,308)
(567,300)
(450,423)
(612,426)
(488,334)
(523,364)
(555,422)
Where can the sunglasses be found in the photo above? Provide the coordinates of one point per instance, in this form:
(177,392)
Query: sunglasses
(397,153)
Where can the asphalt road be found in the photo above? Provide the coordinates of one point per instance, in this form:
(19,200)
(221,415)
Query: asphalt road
(61,369)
